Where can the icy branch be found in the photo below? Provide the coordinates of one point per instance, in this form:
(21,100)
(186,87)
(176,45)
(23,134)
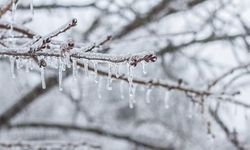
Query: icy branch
(7,6)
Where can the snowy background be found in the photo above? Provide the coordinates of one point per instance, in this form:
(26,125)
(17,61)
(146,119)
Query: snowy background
(194,40)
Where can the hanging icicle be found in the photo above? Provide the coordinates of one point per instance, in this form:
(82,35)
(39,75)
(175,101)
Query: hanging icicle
(12,22)
(148,94)
(18,63)
(99,88)
(95,71)
(67,60)
(60,73)
(190,110)
(122,89)
(42,70)
(117,70)
(27,66)
(132,100)
(143,68)
(32,9)
(166,100)
(130,78)
(109,79)
(12,67)
(86,68)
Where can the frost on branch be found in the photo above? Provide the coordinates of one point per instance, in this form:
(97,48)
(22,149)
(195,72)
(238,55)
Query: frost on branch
(46,52)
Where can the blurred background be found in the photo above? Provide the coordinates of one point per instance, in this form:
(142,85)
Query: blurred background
(195,41)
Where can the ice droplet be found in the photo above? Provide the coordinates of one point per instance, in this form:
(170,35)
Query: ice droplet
(42,70)
(12,67)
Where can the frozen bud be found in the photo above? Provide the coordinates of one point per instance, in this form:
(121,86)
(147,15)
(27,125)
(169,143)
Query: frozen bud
(42,63)
(71,43)
(47,40)
(74,22)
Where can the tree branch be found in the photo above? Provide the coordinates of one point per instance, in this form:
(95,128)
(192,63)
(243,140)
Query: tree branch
(92,130)
(231,136)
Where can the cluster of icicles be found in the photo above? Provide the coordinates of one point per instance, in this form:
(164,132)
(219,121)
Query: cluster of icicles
(62,63)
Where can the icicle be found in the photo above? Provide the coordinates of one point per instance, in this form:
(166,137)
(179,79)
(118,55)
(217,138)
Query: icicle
(31,64)
(212,141)
(246,114)
(42,69)
(149,90)
(109,81)
(117,70)
(86,68)
(235,110)
(143,68)
(12,67)
(13,11)
(121,89)
(27,67)
(67,59)
(99,89)
(190,110)
(31,9)
(18,63)
(131,103)
(95,69)
(53,62)
(166,100)
(130,79)
(60,73)
(74,68)
(132,97)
